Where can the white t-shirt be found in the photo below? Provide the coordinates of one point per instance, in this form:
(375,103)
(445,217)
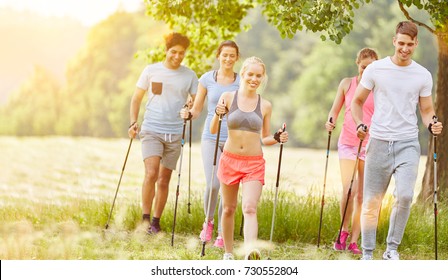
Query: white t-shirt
(167,93)
(396,92)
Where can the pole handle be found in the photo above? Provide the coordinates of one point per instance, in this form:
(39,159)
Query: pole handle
(330,120)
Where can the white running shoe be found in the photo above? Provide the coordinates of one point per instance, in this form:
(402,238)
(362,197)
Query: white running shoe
(366,257)
(228,257)
(391,255)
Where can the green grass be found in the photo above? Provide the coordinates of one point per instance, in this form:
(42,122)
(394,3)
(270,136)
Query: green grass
(56,195)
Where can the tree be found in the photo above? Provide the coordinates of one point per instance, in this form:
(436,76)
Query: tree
(102,76)
(206,23)
(438,11)
(314,89)
(100,81)
(34,107)
(93,74)
(209,22)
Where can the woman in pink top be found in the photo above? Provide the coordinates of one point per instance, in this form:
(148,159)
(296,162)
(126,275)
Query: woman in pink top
(348,149)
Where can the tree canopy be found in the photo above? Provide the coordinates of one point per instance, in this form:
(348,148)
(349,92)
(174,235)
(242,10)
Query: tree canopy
(207,25)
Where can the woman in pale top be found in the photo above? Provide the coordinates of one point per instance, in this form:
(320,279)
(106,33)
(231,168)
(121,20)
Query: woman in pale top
(348,149)
(248,121)
(211,86)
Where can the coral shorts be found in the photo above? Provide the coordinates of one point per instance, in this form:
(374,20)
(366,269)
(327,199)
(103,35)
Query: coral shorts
(234,169)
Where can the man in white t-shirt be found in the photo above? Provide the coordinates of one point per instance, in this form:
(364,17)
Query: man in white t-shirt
(168,85)
(398,84)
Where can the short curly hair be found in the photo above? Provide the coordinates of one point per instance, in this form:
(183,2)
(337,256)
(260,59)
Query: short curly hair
(174,39)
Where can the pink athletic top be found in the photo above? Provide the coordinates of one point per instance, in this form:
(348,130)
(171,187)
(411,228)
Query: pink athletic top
(348,133)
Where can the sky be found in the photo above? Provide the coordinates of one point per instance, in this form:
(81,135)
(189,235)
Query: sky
(89,12)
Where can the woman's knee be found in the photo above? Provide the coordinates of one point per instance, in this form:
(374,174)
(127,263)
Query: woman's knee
(228,210)
(214,188)
(250,209)
(357,196)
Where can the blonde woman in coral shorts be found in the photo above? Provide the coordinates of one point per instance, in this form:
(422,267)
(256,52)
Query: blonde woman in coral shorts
(248,122)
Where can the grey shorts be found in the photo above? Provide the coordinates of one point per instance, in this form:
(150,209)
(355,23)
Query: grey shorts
(165,146)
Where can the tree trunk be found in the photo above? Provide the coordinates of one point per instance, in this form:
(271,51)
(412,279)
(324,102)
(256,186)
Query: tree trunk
(441,105)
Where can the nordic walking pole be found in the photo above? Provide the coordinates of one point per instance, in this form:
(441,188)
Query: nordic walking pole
(178,180)
(350,188)
(119,181)
(323,192)
(242,224)
(276,186)
(434,139)
(189,164)
(211,182)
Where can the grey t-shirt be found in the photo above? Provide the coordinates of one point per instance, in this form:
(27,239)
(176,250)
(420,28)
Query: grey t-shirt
(168,91)
(214,92)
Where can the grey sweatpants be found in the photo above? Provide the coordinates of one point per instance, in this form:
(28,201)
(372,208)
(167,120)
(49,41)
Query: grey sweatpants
(208,153)
(384,159)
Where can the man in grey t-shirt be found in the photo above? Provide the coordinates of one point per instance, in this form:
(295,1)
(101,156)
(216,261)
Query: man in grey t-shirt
(398,84)
(168,85)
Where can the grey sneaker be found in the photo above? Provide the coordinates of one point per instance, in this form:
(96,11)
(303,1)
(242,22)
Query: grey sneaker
(391,255)
(228,257)
(367,257)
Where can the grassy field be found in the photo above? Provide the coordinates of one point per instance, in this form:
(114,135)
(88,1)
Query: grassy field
(56,193)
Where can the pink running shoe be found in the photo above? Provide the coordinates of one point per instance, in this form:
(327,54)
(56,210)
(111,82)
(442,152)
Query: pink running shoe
(219,242)
(353,247)
(342,244)
(207,231)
